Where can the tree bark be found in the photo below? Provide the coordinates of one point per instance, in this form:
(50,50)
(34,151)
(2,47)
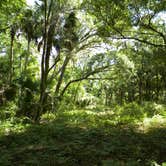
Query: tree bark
(84,77)
(27,55)
(11,71)
(42,80)
(48,40)
(66,61)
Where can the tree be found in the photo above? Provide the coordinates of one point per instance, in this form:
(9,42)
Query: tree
(10,15)
(63,33)
(136,20)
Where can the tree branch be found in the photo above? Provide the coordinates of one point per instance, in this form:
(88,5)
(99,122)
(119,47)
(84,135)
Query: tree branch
(85,76)
(56,61)
(140,40)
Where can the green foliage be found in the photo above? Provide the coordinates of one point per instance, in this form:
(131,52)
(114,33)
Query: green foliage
(4,68)
(48,117)
(8,111)
(10,92)
(120,163)
(131,112)
(81,137)
(115,116)
(134,113)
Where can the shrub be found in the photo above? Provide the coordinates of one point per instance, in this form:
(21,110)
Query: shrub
(128,113)
(8,111)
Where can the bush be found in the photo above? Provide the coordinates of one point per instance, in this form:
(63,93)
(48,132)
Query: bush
(128,113)
(8,111)
(133,112)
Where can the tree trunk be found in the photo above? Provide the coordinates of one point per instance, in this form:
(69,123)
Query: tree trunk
(27,56)
(11,71)
(48,40)
(140,90)
(42,80)
(66,61)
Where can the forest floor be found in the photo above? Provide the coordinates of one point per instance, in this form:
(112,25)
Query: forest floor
(84,138)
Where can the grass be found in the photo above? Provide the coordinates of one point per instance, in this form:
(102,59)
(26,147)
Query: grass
(87,138)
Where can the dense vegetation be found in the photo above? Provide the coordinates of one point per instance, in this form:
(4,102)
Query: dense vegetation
(83,83)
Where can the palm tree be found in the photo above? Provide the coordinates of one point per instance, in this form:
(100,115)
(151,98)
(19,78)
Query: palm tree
(27,26)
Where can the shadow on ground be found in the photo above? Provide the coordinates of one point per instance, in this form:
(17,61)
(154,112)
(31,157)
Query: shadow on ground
(59,143)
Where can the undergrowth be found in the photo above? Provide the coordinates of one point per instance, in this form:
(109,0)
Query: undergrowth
(128,135)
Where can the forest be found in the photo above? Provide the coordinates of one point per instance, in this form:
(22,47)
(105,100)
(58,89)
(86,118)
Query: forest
(83,83)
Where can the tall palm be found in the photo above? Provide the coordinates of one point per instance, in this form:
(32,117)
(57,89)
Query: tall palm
(27,26)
